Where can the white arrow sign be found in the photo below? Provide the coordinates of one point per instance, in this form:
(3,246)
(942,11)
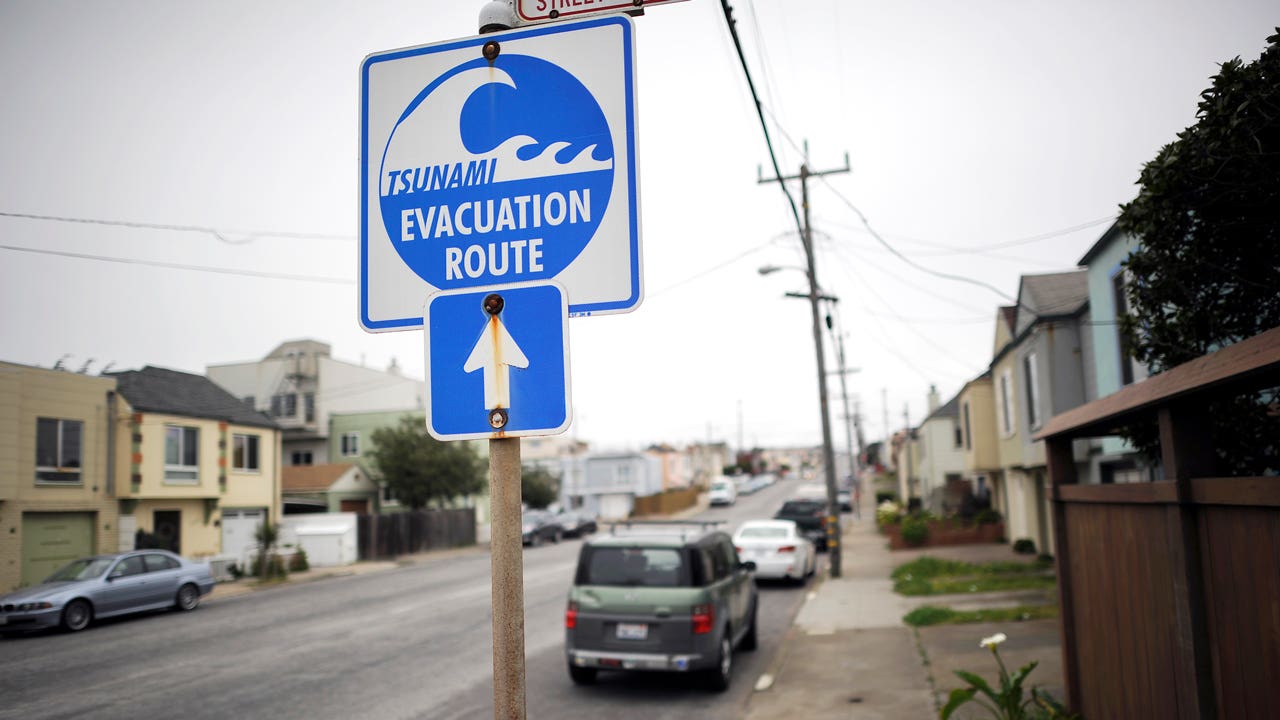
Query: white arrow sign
(496,352)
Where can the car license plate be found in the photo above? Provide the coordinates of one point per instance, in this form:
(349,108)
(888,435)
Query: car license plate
(632,631)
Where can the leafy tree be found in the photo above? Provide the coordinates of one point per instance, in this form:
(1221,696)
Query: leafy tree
(421,470)
(538,487)
(1207,272)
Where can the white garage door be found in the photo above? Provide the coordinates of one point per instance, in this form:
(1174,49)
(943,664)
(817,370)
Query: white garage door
(238,528)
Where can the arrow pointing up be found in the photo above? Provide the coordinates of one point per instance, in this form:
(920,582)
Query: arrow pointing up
(496,352)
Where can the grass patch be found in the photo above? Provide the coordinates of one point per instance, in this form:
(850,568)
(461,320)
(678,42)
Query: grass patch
(934,576)
(933,615)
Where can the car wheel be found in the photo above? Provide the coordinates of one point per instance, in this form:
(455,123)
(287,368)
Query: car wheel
(719,676)
(582,675)
(749,641)
(188,598)
(77,615)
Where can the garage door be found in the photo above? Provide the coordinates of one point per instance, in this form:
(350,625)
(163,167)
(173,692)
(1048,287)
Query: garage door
(51,540)
(238,528)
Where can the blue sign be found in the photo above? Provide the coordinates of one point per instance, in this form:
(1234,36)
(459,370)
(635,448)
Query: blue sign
(483,169)
(503,374)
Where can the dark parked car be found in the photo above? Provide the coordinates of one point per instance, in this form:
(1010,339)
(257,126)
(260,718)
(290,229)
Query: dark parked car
(810,516)
(104,586)
(577,524)
(660,597)
(539,526)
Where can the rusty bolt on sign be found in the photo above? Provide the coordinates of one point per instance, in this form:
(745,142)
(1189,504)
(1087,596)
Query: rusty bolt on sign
(498,418)
(491,50)
(493,303)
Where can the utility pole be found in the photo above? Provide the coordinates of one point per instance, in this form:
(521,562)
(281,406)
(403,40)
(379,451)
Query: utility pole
(906,446)
(848,419)
(828,453)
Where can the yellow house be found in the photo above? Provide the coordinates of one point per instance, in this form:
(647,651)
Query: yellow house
(56,479)
(199,470)
(978,435)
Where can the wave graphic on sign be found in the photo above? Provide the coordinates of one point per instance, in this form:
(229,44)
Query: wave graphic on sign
(483,181)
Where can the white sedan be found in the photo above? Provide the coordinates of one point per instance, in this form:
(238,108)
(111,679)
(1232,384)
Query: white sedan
(777,548)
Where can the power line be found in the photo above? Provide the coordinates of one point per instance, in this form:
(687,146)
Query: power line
(182,266)
(712,269)
(220,235)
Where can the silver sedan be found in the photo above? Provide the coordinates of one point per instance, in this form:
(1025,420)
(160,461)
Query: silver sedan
(104,586)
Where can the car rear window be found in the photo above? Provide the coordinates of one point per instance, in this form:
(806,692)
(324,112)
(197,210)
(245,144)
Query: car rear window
(763,532)
(801,507)
(634,567)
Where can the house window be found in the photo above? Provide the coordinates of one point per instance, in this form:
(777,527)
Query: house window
(58,451)
(623,476)
(284,405)
(300,457)
(1006,403)
(309,407)
(244,452)
(388,495)
(1122,309)
(350,444)
(959,436)
(968,430)
(181,454)
(1033,391)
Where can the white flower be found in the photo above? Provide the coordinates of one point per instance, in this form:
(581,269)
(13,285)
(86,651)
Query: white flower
(993,641)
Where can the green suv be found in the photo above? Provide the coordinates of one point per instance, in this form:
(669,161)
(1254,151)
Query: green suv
(660,597)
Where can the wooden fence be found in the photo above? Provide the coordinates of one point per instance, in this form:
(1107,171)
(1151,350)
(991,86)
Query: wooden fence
(1170,591)
(665,503)
(381,537)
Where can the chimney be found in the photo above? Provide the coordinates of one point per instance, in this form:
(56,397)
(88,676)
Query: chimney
(934,400)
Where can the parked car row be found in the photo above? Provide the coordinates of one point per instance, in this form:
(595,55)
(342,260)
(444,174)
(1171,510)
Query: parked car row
(539,526)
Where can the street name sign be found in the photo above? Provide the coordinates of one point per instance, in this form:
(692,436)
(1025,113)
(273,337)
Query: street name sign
(511,364)
(534,11)
(497,159)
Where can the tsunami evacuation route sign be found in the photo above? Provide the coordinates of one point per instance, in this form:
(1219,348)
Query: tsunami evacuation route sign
(489,171)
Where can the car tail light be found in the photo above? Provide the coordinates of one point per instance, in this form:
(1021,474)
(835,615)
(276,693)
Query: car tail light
(787,548)
(571,616)
(703,618)
(739,549)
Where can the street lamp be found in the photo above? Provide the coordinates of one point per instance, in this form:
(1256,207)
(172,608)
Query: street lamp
(828,451)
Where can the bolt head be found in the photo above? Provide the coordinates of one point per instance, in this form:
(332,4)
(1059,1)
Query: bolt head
(491,50)
(498,418)
(493,303)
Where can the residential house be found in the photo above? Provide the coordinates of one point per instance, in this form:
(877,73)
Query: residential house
(906,465)
(1111,458)
(1038,373)
(351,440)
(607,485)
(706,461)
(299,384)
(198,469)
(941,452)
(332,487)
(676,473)
(981,454)
(57,480)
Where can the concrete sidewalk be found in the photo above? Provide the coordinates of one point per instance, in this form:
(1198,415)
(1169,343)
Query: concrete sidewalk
(849,655)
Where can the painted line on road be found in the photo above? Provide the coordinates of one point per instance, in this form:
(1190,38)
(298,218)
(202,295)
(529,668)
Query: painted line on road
(764,682)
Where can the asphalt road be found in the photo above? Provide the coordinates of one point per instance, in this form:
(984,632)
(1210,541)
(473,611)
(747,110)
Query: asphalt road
(413,642)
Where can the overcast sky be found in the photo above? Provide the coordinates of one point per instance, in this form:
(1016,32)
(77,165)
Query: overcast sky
(967,125)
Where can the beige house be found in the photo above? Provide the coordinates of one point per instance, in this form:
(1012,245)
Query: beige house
(199,470)
(56,479)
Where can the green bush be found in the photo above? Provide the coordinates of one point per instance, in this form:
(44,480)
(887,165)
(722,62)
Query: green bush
(298,563)
(884,497)
(987,517)
(1024,546)
(275,569)
(915,531)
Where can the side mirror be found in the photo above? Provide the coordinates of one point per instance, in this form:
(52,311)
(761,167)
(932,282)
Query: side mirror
(749,566)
